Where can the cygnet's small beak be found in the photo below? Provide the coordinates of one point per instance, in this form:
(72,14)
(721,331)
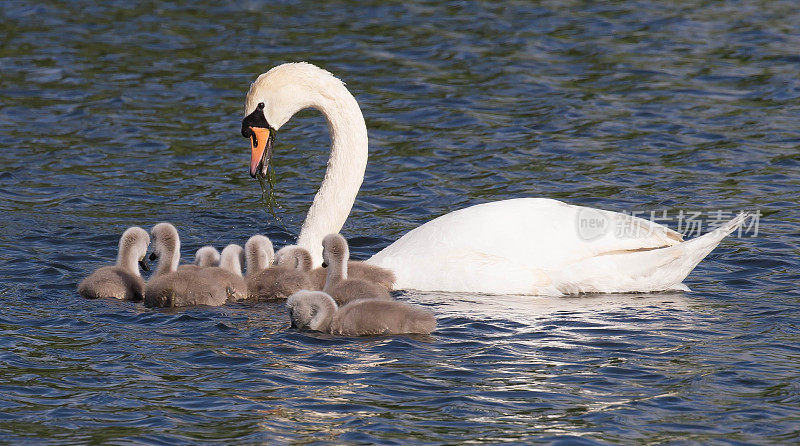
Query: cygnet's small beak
(153,256)
(261,140)
(143,264)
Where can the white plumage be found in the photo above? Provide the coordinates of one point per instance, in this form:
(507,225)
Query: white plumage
(532,246)
(536,246)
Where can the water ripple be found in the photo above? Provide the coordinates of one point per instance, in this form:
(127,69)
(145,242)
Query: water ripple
(115,115)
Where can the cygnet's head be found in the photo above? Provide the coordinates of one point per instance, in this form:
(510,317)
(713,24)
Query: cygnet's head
(232,258)
(294,257)
(133,245)
(311,310)
(207,256)
(165,240)
(334,250)
(259,253)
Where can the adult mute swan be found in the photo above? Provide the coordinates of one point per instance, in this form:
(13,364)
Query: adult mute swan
(534,246)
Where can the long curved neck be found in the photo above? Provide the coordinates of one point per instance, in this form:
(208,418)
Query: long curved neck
(126,257)
(231,260)
(168,263)
(258,258)
(337,271)
(326,309)
(304,261)
(345,172)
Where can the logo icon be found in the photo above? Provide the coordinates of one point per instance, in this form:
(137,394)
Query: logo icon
(591,224)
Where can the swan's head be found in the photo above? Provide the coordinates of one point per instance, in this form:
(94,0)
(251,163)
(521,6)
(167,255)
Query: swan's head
(134,243)
(311,310)
(277,95)
(262,138)
(334,250)
(207,256)
(259,253)
(165,240)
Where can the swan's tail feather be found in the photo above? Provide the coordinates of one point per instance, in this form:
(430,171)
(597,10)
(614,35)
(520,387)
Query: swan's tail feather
(699,247)
(653,270)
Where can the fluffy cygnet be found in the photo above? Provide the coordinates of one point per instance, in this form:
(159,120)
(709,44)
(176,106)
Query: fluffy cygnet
(170,287)
(123,280)
(294,257)
(335,254)
(357,270)
(316,310)
(232,259)
(227,277)
(204,257)
(275,282)
(207,256)
(166,248)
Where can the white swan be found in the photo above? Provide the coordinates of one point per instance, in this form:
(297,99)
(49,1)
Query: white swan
(518,246)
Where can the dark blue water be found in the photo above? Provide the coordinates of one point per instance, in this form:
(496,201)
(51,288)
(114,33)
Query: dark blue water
(116,114)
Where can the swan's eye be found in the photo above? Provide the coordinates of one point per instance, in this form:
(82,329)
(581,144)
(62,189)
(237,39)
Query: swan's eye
(261,106)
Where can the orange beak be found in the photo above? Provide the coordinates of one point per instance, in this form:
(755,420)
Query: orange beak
(258,144)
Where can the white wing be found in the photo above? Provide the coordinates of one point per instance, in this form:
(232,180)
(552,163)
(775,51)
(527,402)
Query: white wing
(532,246)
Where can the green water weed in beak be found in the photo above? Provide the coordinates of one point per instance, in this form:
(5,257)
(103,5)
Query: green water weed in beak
(268,198)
